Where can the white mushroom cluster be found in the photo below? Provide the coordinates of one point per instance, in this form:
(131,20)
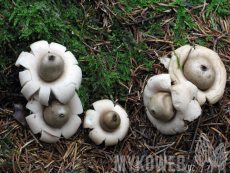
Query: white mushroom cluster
(50,79)
(168,106)
(172,98)
(108,122)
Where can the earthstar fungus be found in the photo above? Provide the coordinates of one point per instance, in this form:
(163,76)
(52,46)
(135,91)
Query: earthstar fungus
(51,133)
(201,66)
(108,122)
(202,78)
(49,68)
(50,78)
(169,104)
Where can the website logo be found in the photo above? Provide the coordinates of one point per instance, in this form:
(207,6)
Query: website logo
(205,156)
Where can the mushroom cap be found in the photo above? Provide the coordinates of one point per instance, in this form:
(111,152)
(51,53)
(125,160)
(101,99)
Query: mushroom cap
(160,106)
(51,67)
(98,134)
(187,108)
(63,87)
(110,121)
(200,72)
(56,114)
(215,92)
(50,134)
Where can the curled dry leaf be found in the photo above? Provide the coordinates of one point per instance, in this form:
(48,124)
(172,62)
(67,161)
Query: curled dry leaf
(19,114)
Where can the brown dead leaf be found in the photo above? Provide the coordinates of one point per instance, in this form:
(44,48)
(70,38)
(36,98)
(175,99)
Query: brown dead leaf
(19,114)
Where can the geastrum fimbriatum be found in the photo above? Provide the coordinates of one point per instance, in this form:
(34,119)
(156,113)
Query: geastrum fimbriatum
(56,119)
(201,66)
(49,68)
(108,122)
(167,106)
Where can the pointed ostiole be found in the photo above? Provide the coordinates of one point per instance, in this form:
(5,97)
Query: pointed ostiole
(51,67)
(56,114)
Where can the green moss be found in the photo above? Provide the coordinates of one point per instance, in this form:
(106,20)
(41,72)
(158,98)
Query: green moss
(69,23)
(221,8)
(6,150)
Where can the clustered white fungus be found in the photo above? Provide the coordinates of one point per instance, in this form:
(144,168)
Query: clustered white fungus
(50,77)
(202,79)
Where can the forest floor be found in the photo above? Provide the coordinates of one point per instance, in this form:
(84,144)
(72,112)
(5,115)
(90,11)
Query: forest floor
(148,32)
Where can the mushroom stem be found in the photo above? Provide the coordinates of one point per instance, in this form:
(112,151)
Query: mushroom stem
(110,121)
